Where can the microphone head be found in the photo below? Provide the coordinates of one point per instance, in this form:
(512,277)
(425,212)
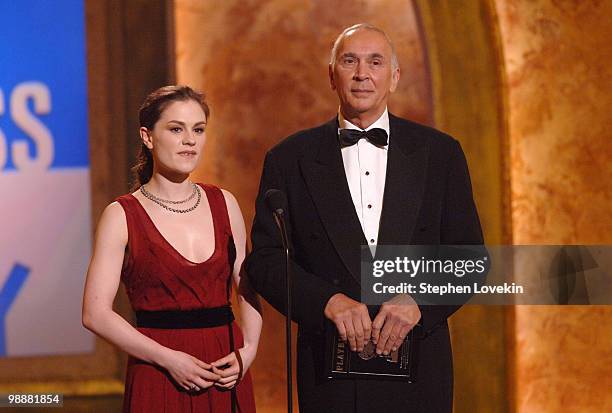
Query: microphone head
(276,200)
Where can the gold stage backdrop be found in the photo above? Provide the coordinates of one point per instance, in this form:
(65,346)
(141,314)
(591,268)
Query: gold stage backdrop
(523,84)
(558,59)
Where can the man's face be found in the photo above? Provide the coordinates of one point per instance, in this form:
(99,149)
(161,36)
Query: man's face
(363,75)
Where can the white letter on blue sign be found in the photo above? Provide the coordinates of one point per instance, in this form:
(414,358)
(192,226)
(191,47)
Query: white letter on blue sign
(32,126)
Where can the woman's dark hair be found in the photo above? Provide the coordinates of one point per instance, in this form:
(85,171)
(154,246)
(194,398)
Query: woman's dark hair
(149,114)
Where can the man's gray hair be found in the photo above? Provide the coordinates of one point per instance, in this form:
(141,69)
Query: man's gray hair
(354,28)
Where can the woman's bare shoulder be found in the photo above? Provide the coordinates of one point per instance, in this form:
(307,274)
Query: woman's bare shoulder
(113,221)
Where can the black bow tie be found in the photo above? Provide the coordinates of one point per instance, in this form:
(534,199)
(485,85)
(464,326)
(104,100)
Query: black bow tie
(349,137)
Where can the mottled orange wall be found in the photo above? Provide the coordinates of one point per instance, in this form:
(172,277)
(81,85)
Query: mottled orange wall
(263,65)
(558,62)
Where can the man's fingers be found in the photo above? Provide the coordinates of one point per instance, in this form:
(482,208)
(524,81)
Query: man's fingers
(377,325)
(402,336)
(367,327)
(359,335)
(351,319)
(341,330)
(350,334)
(384,335)
(395,338)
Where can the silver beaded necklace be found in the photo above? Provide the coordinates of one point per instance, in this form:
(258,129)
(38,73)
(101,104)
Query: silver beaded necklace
(161,202)
(167,201)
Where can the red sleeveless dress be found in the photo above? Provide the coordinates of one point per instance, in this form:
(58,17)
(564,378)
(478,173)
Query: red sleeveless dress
(157,277)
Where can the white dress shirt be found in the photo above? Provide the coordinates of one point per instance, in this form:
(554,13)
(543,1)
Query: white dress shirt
(365,166)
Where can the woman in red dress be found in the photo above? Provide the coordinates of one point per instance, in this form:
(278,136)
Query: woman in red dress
(176,246)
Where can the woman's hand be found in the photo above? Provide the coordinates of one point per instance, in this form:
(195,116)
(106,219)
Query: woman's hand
(189,372)
(231,368)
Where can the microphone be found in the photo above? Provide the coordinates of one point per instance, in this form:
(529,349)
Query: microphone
(276,201)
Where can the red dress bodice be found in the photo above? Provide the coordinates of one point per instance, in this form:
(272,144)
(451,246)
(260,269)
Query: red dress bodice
(158,277)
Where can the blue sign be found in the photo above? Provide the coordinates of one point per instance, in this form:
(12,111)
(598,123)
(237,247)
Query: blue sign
(44,176)
(43,86)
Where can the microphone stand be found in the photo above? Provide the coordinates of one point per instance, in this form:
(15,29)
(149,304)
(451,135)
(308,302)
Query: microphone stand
(280,220)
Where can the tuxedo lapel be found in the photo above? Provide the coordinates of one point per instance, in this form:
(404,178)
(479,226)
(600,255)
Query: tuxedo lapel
(326,181)
(404,185)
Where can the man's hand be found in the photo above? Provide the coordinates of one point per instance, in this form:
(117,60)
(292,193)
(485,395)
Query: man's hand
(351,319)
(393,322)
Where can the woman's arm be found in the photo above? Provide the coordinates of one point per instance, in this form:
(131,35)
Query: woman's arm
(250,308)
(103,277)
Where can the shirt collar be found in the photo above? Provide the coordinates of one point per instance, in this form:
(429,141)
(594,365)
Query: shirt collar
(382,122)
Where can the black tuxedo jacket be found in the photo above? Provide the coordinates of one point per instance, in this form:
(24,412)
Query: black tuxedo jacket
(427,200)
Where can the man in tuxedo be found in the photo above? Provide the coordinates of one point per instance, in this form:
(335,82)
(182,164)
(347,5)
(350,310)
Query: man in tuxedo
(366,177)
